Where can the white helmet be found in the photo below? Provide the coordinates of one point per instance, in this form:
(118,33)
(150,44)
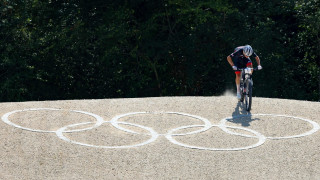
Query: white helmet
(247,50)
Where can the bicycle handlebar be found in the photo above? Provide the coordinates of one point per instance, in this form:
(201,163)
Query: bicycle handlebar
(240,69)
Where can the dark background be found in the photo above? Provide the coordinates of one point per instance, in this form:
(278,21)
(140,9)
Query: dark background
(90,49)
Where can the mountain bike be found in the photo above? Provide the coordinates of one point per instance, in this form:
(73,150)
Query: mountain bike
(246,84)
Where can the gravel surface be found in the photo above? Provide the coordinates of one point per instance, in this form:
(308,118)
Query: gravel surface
(160,138)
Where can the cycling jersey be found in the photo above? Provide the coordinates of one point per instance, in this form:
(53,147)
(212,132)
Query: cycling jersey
(239,59)
(238,52)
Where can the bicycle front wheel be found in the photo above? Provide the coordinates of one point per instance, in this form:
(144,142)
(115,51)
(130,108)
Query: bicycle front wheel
(248,94)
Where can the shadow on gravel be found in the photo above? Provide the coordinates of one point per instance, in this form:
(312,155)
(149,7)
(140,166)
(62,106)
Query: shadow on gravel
(241,115)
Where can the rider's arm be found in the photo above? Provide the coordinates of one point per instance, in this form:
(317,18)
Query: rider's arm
(258,60)
(230,60)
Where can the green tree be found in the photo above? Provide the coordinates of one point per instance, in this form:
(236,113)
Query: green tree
(137,48)
(308,46)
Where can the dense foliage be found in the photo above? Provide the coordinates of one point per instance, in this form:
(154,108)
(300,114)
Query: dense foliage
(81,49)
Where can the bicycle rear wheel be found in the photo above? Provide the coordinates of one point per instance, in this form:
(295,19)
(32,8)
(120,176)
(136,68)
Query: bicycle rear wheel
(248,94)
(242,94)
(242,87)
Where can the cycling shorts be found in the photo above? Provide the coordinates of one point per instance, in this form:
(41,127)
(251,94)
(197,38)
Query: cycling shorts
(242,62)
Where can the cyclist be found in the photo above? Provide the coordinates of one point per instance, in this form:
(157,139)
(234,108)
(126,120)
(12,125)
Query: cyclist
(240,58)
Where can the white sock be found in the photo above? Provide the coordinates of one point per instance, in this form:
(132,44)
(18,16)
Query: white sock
(238,88)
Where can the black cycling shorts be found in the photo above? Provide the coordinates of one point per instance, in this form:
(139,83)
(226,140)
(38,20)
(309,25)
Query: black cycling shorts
(242,62)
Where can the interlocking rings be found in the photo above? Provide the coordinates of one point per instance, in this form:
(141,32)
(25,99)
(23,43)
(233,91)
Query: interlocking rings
(154,135)
(5,118)
(261,138)
(315,126)
(207,123)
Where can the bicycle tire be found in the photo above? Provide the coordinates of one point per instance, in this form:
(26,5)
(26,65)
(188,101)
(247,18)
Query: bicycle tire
(248,94)
(242,87)
(241,93)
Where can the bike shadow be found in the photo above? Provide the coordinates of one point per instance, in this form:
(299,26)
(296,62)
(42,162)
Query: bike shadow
(241,115)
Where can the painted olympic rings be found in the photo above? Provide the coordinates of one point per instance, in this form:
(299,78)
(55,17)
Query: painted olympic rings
(261,138)
(315,126)
(154,135)
(5,118)
(207,123)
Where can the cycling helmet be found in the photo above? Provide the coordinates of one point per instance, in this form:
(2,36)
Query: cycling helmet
(247,50)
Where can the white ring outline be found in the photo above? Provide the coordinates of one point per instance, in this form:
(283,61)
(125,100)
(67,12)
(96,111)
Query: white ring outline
(207,124)
(5,118)
(261,138)
(315,125)
(154,136)
(169,135)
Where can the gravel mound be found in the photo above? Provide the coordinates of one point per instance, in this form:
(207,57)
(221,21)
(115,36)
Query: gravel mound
(160,138)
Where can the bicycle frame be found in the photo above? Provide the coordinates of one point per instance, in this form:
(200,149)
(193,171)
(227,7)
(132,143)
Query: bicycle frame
(246,84)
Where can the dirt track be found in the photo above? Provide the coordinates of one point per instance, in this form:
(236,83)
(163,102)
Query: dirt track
(28,154)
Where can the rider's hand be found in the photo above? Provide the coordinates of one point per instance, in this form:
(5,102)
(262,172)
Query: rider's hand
(234,68)
(259,67)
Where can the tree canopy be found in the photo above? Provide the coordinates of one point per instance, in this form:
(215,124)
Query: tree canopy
(85,49)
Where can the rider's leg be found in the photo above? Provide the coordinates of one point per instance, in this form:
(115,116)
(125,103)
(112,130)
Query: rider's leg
(237,62)
(238,76)
(250,65)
